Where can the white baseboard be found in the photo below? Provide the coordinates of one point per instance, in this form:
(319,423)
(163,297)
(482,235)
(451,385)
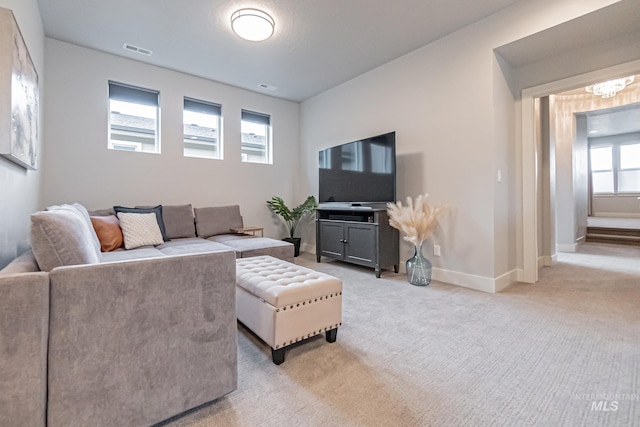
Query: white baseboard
(471,281)
(306,247)
(506,279)
(571,247)
(546,260)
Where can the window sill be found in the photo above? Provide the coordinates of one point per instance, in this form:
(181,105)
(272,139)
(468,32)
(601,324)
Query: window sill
(633,195)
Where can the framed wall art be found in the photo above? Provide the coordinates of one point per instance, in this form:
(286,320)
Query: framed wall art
(19,98)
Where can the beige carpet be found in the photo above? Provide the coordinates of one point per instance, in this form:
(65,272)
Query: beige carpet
(444,355)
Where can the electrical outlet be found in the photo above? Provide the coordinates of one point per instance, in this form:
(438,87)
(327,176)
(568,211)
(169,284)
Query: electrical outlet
(436,250)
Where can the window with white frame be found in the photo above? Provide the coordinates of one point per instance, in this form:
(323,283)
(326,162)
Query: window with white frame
(133,118)
(202,129)
(629,171)
(615,167)
(255,129)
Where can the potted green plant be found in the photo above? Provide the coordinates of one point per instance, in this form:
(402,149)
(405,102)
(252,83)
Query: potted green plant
(292,216)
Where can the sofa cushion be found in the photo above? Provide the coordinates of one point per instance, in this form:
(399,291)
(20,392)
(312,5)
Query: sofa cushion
(211,221)
(222,238)
(182,241)
(109,232)
(60,237)
(195,248)
(256,246)
(83,214)
(155,209)
(178,221)
(140,229)
(133,254)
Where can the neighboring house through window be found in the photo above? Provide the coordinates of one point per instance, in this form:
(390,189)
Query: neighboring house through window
(133,118)
(202,129)
(255,129)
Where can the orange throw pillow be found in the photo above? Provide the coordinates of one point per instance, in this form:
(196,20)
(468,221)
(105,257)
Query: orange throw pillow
(108,231)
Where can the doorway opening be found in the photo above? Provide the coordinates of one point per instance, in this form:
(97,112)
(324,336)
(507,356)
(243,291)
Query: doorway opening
(543,200)
(597,167)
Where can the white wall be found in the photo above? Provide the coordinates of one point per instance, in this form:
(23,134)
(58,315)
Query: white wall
(505,188)
(79,167)
(454,116)
(19,188)
(444,127)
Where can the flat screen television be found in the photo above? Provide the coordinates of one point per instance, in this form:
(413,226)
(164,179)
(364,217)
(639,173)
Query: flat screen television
(359,172)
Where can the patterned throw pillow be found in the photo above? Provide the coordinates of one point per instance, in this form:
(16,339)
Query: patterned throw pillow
(140,229)
(155,209)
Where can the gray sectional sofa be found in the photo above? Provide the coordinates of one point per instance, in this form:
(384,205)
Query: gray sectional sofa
(129,337)
(206,229)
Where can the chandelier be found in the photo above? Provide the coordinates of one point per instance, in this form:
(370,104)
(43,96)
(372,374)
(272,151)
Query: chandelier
(609,88)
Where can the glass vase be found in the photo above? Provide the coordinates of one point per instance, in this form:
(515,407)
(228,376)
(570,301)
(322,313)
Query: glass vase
(418,268)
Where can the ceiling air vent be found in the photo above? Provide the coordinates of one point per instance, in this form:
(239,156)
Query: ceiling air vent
(267,87)
(136,49)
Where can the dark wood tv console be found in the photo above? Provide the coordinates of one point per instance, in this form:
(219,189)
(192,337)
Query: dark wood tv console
(358,234)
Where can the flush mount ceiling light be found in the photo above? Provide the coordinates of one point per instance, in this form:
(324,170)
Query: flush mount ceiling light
(609,88)
(252,24)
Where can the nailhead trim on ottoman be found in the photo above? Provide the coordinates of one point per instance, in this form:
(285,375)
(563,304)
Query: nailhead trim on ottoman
(284,303)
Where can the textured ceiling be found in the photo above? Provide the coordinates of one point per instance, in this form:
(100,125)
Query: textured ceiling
(318,44)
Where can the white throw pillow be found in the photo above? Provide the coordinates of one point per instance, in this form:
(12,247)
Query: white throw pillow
(140,229)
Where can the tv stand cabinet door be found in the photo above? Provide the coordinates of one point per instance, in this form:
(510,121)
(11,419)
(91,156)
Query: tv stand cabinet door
(361,241)
(331,239)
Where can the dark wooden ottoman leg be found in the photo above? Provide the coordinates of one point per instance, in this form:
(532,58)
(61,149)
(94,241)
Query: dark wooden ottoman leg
(278,355)
(332,334)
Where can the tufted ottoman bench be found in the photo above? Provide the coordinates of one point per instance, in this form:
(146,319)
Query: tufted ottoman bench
(284,303)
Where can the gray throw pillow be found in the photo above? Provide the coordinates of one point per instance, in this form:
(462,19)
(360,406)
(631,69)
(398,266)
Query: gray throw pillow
(217,220)
(83,214)
(102,212)
(59,237)
(178,221)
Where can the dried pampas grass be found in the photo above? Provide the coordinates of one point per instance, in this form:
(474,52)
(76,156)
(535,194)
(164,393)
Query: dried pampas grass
(417,220)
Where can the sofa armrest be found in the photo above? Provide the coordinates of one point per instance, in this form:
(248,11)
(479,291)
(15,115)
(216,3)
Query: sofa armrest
(24,320)
(137,342)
